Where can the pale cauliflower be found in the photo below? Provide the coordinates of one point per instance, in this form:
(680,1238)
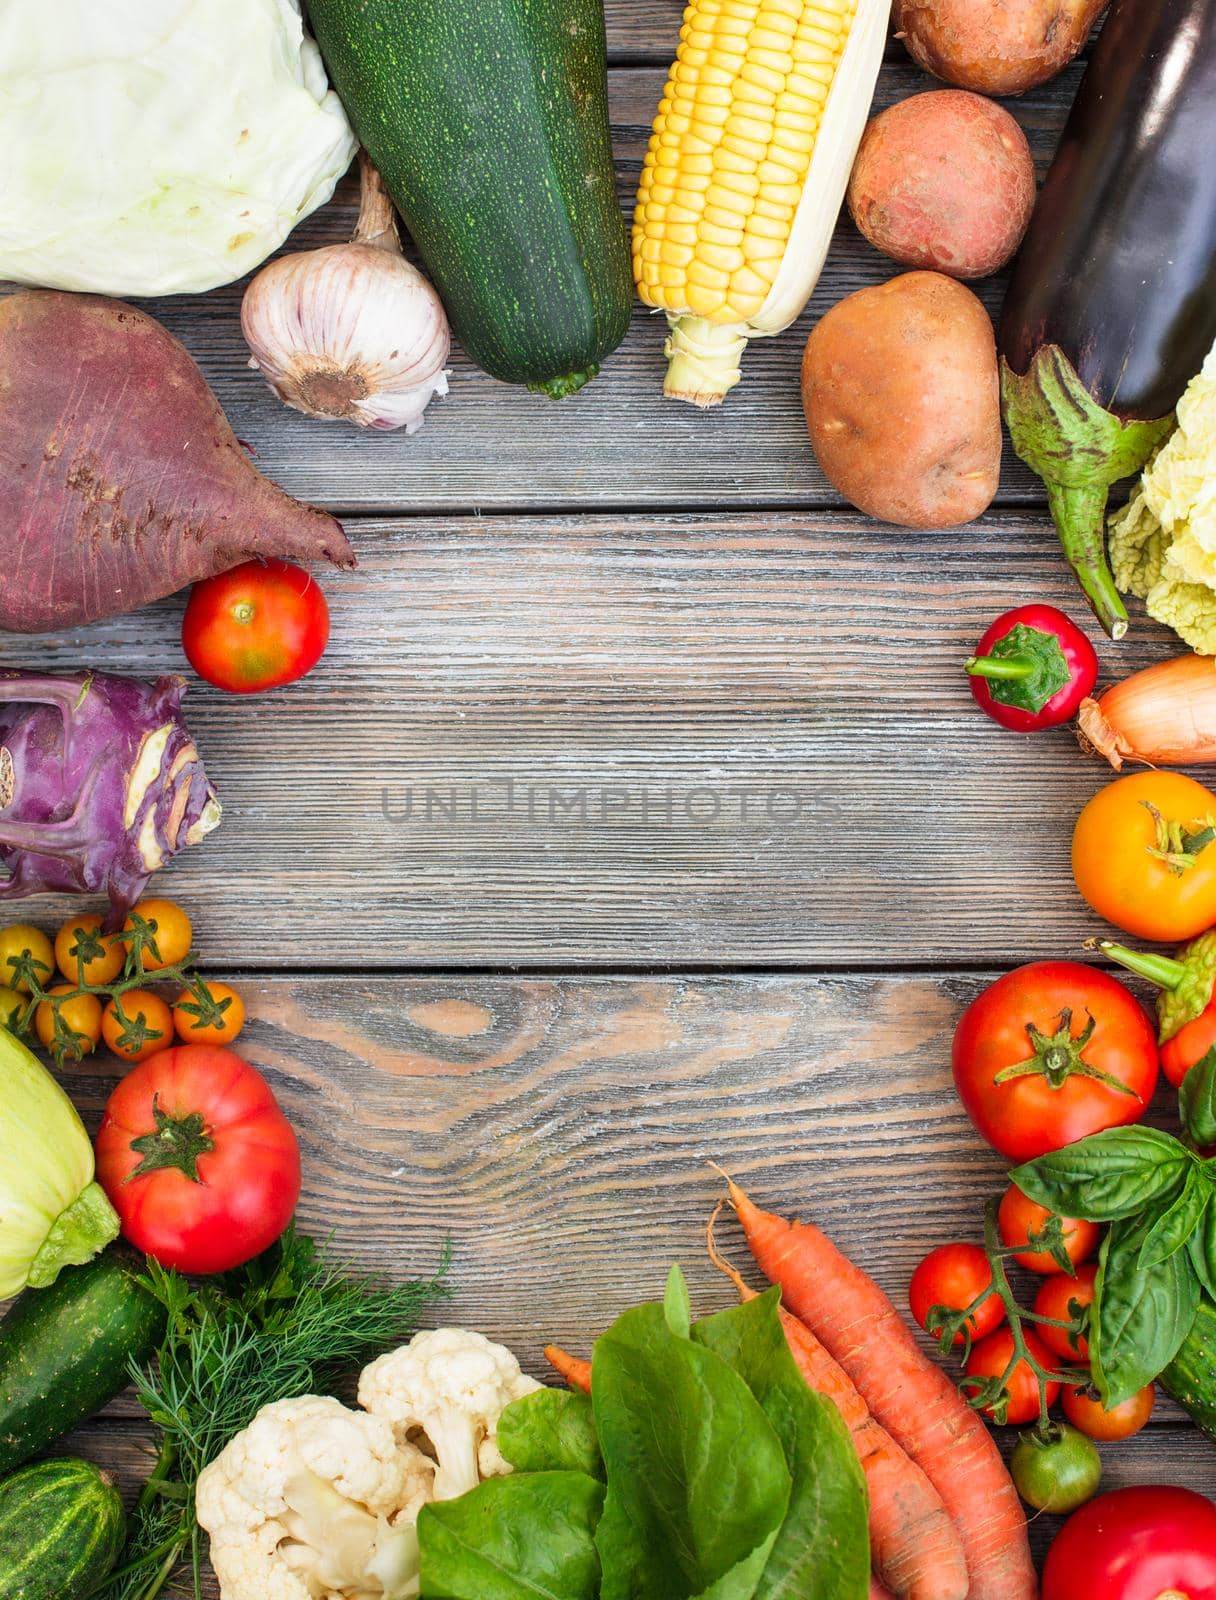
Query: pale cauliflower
(1163,543)
(315,1502)
(444,1392)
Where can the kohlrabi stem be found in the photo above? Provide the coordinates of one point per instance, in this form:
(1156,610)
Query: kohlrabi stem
(1164,971)
(1011,667)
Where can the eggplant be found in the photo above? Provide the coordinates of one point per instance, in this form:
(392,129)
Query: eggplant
(1112,307)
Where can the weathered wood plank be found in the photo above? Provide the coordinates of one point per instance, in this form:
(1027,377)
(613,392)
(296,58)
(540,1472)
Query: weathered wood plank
(730,740)
(558,1132)
(616,444)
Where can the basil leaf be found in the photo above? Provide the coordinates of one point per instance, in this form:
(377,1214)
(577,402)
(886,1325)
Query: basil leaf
(552,1430)
(698,1487)
(1109,1175)
(1197,1100)
(677,1306)
(1141,1315)
(1170,1230)
(823,1549)
(524,1537)
(1201,1247)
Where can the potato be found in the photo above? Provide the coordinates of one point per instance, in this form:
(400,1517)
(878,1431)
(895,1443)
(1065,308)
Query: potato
(902,401)
(995,46)
(944,180)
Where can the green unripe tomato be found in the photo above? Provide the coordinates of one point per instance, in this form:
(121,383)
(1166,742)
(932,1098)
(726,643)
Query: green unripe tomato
(12,1008)
(1056,1473)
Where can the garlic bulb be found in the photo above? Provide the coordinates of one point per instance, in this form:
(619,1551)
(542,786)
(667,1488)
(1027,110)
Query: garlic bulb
(352,331)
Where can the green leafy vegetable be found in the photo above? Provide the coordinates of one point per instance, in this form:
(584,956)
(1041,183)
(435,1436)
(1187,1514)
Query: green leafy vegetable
(1197,1101)
(1168,1232)
(1108,1176)
(1143,1312)
(727,1477)
(550,1431)
(698,1484)
(527,1537)
(289,1323)
(823,1549)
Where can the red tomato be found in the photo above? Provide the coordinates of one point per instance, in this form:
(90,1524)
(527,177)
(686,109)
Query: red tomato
(1087,1413)
(1136,1544)
(1050,1053)
(198,1160)
(992,1355)
(1020,1216)
(1189,1045)
(263,624)
(1055,1296)
(953,1276)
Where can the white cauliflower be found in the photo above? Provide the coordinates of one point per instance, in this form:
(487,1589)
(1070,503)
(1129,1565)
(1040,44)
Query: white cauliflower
(315,1502)
(444,1392)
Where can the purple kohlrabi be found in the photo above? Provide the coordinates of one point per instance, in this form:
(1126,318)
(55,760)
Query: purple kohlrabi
(100,784)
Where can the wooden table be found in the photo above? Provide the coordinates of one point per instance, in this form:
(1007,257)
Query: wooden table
(638,815)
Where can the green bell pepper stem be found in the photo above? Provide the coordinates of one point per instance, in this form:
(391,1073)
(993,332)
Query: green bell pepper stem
(1164,971)
(1011,667)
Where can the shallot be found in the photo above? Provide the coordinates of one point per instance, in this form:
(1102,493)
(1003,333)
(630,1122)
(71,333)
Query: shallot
(1164,716)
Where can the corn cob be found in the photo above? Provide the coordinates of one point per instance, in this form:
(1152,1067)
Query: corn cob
(746,172)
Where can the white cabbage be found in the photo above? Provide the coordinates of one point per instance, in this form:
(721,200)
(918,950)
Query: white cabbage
(158,146)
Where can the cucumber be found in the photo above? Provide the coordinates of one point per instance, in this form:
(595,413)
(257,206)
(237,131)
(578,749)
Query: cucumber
(64,1351)
(1190,1377)
(61,1531)
(488,121)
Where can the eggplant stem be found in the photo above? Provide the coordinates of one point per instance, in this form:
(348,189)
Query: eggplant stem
(1080,517)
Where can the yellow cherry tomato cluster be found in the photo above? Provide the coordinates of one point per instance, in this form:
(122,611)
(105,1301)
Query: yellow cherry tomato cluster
(87,985)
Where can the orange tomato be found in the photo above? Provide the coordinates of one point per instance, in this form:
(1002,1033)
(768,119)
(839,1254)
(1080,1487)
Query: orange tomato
(142,1028)
(1143,858)
(81,1015)
(196,1025)
(1055,1296)
(97,969)
(1084,1410)
(23,940)
(171,933)
(991,1356)
(1020,1216)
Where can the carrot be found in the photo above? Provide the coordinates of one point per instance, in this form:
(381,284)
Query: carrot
(576,1372)
(907,1393)
(914,1546)
(877,1592)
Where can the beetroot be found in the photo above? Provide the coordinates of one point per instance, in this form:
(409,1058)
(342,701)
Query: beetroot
(100,784)
(120,479)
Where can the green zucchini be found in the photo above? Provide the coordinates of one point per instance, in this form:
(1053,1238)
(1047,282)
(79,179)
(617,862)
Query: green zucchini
(488,121)
(61,1531)
(64,1350)
(1190,1377)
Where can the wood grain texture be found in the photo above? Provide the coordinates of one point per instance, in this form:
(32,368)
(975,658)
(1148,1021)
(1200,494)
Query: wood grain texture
(788,687)
(558,1133)
(617,443)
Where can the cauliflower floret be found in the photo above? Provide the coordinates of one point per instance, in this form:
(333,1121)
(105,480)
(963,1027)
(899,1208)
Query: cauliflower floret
(315,1502)
(445,1391)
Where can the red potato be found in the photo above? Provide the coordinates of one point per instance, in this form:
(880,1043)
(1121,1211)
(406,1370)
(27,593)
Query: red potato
(121,480)
(944,180)
(995,46)
(902,401)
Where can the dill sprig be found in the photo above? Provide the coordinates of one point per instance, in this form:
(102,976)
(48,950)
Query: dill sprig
(290,1323)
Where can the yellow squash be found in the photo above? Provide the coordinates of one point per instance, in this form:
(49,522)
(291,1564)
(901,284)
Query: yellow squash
(746,173)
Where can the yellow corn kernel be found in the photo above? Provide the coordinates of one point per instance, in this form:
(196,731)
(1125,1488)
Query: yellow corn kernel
(729,153)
